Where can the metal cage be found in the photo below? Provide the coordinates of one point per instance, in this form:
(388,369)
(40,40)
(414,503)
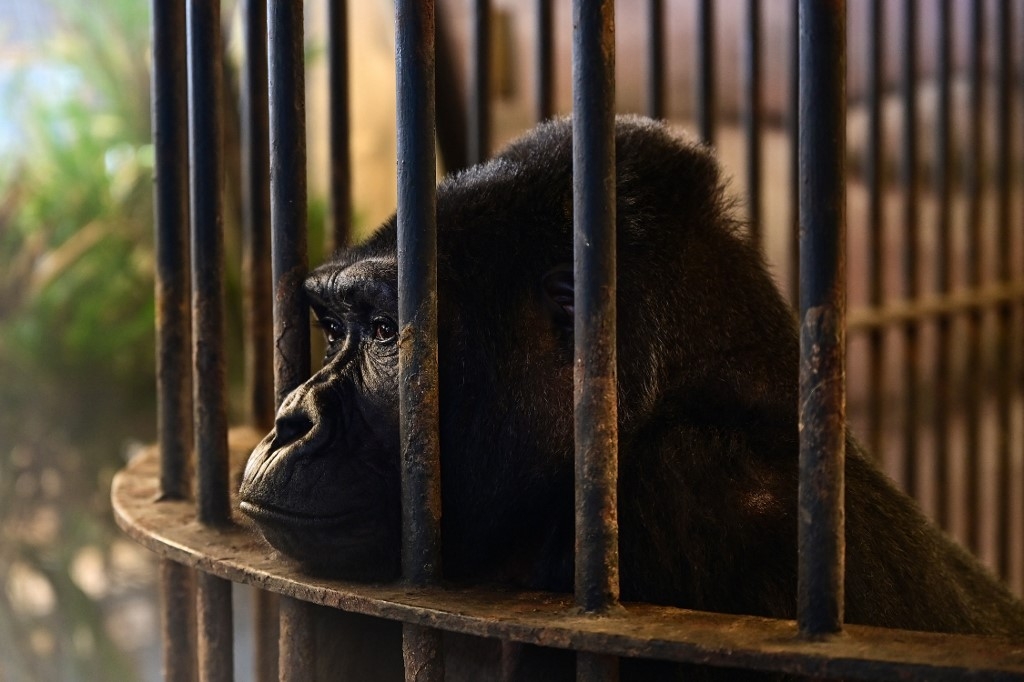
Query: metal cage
(200,538)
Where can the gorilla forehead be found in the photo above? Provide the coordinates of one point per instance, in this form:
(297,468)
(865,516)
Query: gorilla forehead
(335,281)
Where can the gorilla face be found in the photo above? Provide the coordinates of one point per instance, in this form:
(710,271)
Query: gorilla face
(324,484)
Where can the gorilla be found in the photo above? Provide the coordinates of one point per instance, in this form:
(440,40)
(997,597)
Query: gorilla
(707,405)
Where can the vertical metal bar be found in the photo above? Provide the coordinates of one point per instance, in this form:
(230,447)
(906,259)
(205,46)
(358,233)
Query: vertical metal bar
(207,173)
(287,98)
(752,117)
(1004,250)
(206,136)
(451,120)
(794,157)
(822,316)
(178,621)
(544,79)
(258,337)
(706,70)
(417,320)
(656,58)
(174,351)
(943,260)
(875,35)
(479,129)
(341,174)
(216,662)
(595,380)
(173,328)
(259,372)
(973,187)
(297,644)
(911,345)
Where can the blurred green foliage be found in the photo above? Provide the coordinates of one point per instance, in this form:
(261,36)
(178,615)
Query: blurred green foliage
(76,342)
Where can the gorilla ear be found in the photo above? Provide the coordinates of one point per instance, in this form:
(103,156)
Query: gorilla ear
(559,294)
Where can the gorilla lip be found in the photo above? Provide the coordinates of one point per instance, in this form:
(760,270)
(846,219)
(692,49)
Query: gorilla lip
(262,514)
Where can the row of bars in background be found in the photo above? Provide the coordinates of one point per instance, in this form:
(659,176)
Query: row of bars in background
(286,82)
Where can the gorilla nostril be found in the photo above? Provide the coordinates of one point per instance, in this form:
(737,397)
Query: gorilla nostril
(291,427)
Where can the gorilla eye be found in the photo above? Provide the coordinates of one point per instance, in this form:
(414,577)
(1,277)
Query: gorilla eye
(333,331)
(384,329)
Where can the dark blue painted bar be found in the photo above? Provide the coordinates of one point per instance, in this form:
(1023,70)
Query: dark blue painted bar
(822,316)
(597,579)
(417,321)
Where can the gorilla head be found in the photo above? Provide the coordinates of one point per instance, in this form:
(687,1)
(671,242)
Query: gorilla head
(707,404)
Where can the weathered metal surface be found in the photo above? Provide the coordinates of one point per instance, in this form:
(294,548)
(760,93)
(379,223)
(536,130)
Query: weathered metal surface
(822,316)
(422,653)
(595,380)
(216,633)
(297,644)
(288,193)
(206,141)
(178,621)
(238,553)
(259,327)
(170,199)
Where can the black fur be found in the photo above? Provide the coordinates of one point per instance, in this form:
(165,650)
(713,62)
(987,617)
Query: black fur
(707,409)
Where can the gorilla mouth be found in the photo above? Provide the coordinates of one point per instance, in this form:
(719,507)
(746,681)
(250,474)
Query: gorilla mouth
(272,515)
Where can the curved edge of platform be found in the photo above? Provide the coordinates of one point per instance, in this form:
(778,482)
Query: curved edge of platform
(238,553)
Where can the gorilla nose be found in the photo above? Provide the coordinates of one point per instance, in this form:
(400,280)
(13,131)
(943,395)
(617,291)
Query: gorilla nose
(290,427)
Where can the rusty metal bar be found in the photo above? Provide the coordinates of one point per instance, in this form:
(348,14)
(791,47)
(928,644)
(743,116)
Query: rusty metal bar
(206,135)
(706,70)
(656,58)
(258,338)
(178,621)
(972,394)
(206,138)
(752,116)
(873,158)
(943,259)
(259,360)
(1004,375)
(544,78)
(794,156)
(417,287)
(417,321)
(288,194)
(216,660)
(822,316)
(287,98)
(479,130)
(297,642)
(340,177)
(911,255)
(597,562)
(171,206)
(173,324)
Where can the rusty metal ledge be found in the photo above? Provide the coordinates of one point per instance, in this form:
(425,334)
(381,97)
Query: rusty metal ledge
(240,554)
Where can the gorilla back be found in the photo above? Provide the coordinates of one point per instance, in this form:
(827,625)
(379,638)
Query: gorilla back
(708,356)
